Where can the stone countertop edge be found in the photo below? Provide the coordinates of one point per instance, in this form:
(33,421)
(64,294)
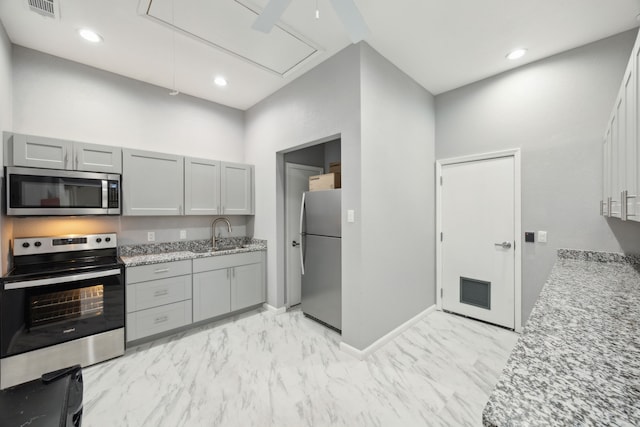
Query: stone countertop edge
(577,361)
(183,253)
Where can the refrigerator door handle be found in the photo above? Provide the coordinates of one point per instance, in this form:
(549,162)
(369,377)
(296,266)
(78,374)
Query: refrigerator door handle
(301,236)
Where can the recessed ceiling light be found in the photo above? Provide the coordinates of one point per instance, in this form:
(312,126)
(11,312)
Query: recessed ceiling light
(90,35)
(517,53)
(220,81)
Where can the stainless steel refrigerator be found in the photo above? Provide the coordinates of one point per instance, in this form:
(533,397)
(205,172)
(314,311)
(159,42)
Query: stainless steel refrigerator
(321,256)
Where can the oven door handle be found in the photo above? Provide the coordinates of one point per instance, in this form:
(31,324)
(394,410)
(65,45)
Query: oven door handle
(61,279)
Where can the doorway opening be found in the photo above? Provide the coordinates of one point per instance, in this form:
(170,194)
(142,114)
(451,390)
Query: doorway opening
(296,165)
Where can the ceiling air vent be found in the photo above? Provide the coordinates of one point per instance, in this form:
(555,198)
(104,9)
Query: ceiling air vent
(43,7)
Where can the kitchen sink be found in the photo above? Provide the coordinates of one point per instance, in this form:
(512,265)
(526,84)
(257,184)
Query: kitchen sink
(218,249)
(230,248)
(201,251)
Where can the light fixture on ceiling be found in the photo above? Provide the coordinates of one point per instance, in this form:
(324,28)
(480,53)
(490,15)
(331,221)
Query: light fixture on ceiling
(517,53)
(90,35)
(220,81)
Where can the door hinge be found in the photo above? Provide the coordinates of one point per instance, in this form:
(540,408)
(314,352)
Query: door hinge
(440,180)
(441,236)
(441,292)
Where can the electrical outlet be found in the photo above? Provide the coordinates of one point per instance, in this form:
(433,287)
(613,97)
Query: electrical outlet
(542,237)
(183,234)
(151,236)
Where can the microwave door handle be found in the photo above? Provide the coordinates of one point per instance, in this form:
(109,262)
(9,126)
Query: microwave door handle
(61,279)
(105,194)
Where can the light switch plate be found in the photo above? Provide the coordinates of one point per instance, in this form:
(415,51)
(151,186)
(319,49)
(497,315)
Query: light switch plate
(151,236)
(351,215)
(542,237)
(183,234)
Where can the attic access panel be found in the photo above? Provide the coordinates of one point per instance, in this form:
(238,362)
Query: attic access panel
(226,25)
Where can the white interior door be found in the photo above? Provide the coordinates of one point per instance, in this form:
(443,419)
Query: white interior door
(296,183)
(478,253)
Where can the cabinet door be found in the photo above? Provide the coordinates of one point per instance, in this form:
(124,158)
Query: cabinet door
(211,294)
(201,186)
(237,189)
(152,183)
(97,158)
(633,126)
(41,152)
(247,286)
(614,171)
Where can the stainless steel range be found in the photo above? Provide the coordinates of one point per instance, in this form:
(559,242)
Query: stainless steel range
(62,304)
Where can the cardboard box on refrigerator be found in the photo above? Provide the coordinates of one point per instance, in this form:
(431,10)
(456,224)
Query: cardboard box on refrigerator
(335,167)
(328,181)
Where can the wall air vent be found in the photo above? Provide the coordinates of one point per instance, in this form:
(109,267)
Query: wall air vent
(44,7)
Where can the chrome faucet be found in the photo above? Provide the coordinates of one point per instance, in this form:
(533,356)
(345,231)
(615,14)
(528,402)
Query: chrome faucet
(213,230)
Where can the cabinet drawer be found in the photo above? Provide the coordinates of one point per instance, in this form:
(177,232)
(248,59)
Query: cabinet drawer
(225,261)
(154,293)
(153,321)
(143,273)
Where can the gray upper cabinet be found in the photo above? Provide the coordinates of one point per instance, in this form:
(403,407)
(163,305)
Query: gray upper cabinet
(621,148)
(40,152)
(97,158)
(51,153)
(201,187)
(236,189)
(152,183)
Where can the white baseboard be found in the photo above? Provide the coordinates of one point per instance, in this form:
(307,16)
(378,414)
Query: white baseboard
(363,354)
(273,309)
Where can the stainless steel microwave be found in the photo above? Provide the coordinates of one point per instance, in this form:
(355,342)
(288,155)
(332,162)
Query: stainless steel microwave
(43,192)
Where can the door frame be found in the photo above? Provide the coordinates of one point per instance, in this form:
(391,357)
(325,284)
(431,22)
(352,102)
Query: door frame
(515,153)
(287,167)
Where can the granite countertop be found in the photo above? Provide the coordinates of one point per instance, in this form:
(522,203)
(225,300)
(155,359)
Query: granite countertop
(578,359)
(134,255)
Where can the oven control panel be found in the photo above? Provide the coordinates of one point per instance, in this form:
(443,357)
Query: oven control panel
(76,242)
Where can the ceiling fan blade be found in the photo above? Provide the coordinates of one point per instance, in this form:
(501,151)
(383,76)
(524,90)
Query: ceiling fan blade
(351,19)
(270,15)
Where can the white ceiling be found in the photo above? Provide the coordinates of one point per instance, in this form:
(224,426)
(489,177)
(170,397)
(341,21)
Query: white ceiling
(442,44)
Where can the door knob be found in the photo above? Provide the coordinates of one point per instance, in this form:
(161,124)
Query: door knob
(505,245)
(295,244)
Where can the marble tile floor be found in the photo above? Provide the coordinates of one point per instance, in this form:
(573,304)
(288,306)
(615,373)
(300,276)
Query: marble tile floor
(263,369)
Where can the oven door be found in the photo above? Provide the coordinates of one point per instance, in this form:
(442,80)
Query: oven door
(42,312)
(33,192)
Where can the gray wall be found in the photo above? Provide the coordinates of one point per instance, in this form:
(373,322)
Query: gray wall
(310,156)
(391,165)
(556,111)
(332,153)
(60,98)
(397,213)
(316,107)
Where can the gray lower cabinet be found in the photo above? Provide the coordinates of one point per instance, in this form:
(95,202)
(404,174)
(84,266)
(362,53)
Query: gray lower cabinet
(247,286)
(211,294)
(227,283)
(52,153)
(158,298)
(152,183)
